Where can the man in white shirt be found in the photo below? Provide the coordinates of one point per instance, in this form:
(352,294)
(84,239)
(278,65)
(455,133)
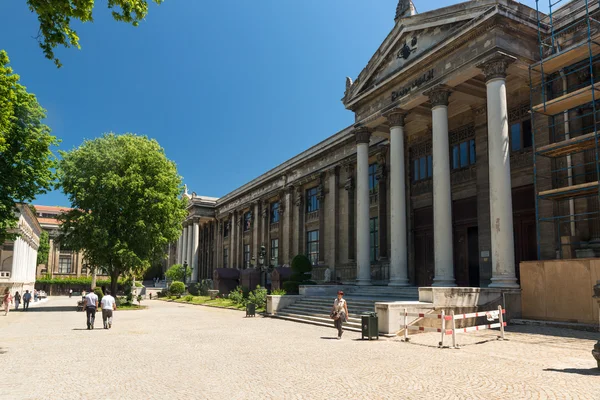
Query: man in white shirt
(108,306)
(91,305)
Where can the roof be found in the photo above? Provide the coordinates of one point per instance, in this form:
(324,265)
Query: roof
(40,208)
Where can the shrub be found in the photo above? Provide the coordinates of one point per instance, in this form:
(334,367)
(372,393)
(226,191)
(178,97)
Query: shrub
(177,288)
(237,296)
(301,274)
(188,298)
(258,297)
(291,287)
(278,292)
(139,299)
(99,293)
(203,287)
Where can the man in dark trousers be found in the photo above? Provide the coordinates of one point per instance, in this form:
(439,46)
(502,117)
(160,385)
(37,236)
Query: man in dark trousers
(91,306)
(26,300)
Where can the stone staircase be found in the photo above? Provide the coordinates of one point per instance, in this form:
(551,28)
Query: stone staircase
(361,299)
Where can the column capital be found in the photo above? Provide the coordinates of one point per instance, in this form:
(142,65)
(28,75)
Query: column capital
(438,95)
(496,67)
(363,134)
(395,116)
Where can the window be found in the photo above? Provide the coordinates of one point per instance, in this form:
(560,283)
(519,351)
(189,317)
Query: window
(373,177)
(520,135)
(463,154)
(274,212)
(374,232)
(312,246)
(247,221)
(64,265)
(312,203)
(246,256)
(422,168)
(226,258)
(275,252)
(226,229)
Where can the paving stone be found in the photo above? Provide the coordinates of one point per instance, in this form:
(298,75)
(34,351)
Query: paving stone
(191,352)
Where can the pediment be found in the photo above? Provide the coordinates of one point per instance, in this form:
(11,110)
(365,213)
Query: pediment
(411,40)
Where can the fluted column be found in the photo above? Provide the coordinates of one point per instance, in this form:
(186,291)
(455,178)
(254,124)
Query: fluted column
(399,254)
(501,213)
(363,260)
(442,192)
(184,245)
(195,242)
(178,259)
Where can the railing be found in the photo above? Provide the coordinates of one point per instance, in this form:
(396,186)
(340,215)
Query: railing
(275,226)
(345,273)
(373,199)
(380,272)
(312,216)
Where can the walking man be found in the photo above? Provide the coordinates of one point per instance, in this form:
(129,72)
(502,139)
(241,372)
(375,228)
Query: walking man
(108,306)
(26,300)
(70,293)
(91,305)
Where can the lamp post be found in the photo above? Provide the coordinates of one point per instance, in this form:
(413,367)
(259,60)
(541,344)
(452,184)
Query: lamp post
(261,261)
(185,268)
(596,351)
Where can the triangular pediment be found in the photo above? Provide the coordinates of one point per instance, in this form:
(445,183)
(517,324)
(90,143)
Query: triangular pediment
(412,39)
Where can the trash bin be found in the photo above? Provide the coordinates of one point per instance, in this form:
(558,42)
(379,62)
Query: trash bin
(250,310)
(370,327)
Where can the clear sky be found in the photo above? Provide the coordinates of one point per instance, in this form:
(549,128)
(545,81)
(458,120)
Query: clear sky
(229,88)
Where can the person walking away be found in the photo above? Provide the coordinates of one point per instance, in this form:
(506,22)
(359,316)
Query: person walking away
(91,305)
(108,306)
(26,300)
(35,295)
(17,300)
(7,301)
(70,293)
(341,308)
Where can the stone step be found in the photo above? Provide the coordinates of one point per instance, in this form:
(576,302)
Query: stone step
(328,303)
(321,321)
(354,318)
(327,309)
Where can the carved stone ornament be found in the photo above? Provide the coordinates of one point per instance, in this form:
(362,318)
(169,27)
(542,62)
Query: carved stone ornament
(496,67)
(438,96)
(405,8)
(281,208)
(320,192)
(349,185)
(395,117)
(363,134)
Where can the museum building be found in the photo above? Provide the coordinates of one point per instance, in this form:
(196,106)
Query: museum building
(434,184)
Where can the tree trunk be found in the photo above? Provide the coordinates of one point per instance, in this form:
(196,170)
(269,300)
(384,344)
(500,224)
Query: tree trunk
(93,278)
(114,281)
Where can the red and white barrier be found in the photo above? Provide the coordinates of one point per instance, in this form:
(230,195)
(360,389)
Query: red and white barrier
(490,315)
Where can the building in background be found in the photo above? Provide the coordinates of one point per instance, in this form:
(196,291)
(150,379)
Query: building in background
(18,258)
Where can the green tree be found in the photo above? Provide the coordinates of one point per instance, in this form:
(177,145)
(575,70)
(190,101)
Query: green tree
(55,19)
(126,202)
(42,254)
(26,159)
(177,272)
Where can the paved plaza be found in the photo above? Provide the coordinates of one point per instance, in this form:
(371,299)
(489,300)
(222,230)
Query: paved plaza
(174,351)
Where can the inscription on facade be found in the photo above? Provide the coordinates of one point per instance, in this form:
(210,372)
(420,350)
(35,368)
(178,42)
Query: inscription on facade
(426,77)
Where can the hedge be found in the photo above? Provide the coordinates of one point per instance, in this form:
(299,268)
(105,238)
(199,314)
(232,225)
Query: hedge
(75,281)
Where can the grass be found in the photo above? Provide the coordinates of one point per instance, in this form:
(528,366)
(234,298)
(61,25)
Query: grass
(206,301)
(130,306)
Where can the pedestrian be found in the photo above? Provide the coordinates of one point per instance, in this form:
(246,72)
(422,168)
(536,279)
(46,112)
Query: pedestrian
(7,301)
(108,306)
(150,294)
(17,300)
(70,293)
(91,306)
(26,300)
(339,313)
(35,295)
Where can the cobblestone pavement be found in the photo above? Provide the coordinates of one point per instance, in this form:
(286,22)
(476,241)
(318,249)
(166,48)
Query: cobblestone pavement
(173,351)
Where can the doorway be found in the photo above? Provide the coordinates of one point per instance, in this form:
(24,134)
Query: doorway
(473,255)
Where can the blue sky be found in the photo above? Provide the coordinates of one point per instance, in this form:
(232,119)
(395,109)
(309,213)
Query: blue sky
(229,88)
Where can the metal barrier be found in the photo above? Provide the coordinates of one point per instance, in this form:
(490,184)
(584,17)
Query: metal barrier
(491,315)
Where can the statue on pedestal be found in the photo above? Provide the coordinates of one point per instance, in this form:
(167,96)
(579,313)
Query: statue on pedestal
(327,275)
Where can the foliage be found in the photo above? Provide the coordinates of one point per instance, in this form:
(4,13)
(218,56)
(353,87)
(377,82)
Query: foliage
(126,205)
(291,287)
(237,296)
(188,298)
(99,293)
(55,19)
(83,281)
(178,273)
(139,299)
(128,291)
(44,249)
(26,159)
(258,297)
(204,286)
(177,288)
(138,284)
(278,292)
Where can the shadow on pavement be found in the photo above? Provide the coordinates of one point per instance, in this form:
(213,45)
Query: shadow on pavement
(2,351)
(329,337)
(580,371)
(51,309)
(550,334)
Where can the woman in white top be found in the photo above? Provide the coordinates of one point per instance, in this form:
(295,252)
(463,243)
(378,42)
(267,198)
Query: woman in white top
(341,308)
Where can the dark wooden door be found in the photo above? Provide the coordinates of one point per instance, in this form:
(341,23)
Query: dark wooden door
(525,234)
(424,257)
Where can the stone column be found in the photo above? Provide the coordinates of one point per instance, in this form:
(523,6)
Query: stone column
(442,194)
(501,214)
(363,260)
(190,244)
(178,254)
(195,242)
(15,257)
(299,222)
(399,254)
(349,187)
(233,233)
(333,211)
(322,230)
(184,245)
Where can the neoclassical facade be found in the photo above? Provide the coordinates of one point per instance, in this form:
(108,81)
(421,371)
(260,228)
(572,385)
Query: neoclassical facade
(432,185)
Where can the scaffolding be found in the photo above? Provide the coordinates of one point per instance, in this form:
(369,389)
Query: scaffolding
(565,99)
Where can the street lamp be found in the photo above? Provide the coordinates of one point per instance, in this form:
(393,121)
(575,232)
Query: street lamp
(261,261)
